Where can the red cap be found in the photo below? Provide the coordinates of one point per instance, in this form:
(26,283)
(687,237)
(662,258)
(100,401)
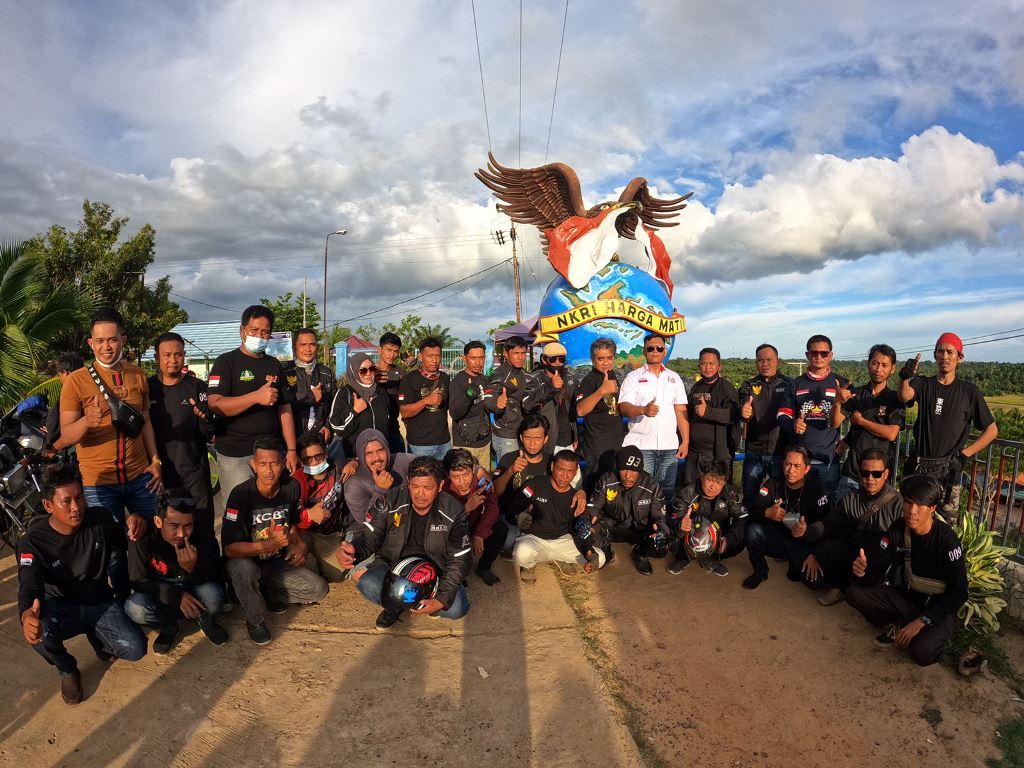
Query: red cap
(951,338)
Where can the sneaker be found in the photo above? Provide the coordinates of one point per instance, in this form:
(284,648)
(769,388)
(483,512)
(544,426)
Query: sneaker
(214,632)
(387,619)
(167,639)
(643,564)
(488,577)
(753,581)
(717,567)
(609,555)
(833,596)
(258,633)
(528,575)
(888,638)
(676,567)
(71,688)
(276,606)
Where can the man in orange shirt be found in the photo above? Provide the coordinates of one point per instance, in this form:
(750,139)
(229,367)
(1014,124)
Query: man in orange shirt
(104,410)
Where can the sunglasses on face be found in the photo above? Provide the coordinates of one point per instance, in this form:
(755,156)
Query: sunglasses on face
(316,458)
(555,358)
(368,369)
(875,473)
(818,353)
(654,348)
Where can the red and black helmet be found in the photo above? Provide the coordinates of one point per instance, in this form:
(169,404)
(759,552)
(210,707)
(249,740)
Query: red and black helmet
(412,580)
(702,540)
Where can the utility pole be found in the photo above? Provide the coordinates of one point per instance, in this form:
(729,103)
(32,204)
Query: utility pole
(515,274)
(303,302)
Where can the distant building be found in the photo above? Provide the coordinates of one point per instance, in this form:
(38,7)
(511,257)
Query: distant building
(204,343)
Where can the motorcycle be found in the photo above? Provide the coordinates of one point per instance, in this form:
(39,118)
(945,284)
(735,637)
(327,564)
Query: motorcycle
(22,457)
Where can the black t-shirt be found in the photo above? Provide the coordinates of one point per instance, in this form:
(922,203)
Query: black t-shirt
(72,567)
(551,509)
(153,566)
(415,546)
(885,408)
(428,427)
(603,429)
(181,436)
(530,471)
(390,387)
(234,374)
(945,414)
(249,514)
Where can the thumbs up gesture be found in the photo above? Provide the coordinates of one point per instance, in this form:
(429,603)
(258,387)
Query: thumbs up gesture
(909,369)
(800,528)
(318,392)
(267,394)
(30,625)
(651,409)
(502,400)
(686,524)
(520,463)
(747,409)
(358,403)
(93,413)
(860,565)
(610,386)
(800,426)
(701,407)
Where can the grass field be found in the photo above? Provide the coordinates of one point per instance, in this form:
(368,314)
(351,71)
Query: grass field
(1005,402)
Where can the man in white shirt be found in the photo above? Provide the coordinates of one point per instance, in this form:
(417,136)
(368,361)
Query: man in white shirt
(653,398)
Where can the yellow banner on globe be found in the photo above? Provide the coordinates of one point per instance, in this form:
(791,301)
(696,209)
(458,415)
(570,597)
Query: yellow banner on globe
(617,308)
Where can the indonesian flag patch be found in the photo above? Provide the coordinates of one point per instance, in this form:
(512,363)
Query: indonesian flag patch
(231,514)
(213,382)
(830,393)
(527,492)
(27,558)
(401,398)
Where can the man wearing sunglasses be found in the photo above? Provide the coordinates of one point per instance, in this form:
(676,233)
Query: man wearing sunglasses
(806,412)
(322,510)
(859,521)
(653,398)
(947,409)
(550,393)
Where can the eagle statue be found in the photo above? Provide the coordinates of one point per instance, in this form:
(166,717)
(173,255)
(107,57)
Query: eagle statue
(580,241)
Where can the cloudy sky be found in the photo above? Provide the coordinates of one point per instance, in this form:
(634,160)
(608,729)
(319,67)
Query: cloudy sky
(857,167)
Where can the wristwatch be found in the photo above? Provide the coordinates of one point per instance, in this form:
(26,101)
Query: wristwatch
(925,620)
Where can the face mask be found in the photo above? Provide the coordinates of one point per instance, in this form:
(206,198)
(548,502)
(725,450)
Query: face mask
(116,360)
(319,469)
(307,367)
(255,344)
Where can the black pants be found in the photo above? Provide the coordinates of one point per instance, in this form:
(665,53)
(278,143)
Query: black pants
(772,540)
(836,559)
(641,537)
(889,605)
(493,544)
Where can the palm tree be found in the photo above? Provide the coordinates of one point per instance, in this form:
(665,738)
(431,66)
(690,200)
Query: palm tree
(440,332)
(32,314)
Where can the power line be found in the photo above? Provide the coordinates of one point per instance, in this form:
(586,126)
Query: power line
(554,94)
(204,303)
(969,341)
(293,267)
(480,62)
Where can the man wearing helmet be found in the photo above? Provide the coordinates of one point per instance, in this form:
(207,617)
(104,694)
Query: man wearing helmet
(712,499)
(629,505)
(415,520)
(551,392)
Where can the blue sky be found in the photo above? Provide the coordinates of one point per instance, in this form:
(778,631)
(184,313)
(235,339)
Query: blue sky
(857,169)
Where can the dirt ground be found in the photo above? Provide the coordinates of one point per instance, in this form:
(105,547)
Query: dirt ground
(702,672)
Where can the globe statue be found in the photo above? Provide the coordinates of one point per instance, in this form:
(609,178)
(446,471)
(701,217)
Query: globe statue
(621,302)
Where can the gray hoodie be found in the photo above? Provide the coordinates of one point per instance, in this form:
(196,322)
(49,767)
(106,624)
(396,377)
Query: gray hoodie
(360,490)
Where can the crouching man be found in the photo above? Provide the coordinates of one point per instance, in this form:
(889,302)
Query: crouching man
(711,498)
(629,505)
(414,520)
(925,576)
(175,573)
(64,586)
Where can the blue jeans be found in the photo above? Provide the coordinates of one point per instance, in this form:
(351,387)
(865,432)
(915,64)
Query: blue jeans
(437,451)
(148,611)
(104,624)
(503,445)
(664,466)
(758,467)
(133,496)
(371,585)
(828,476)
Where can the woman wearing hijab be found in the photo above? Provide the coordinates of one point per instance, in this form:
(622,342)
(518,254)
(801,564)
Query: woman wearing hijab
(359,405)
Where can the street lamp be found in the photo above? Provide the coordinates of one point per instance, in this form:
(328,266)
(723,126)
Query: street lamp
(326,243)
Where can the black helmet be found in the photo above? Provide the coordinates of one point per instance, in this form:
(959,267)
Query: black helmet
(412,580)
(702,539)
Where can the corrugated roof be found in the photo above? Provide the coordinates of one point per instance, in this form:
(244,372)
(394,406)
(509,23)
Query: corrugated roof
(205,339)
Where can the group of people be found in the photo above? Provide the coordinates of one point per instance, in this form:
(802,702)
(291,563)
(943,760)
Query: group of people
(401,480)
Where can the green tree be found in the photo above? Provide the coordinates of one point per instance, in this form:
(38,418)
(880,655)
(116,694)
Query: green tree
(96,261)
(288,312)
(499,327)
(33,314)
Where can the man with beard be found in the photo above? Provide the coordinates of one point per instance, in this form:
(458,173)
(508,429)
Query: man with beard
(779,517)
(423,403)
(628,505)
(312,383)
(471,426)
(389,376)
(551,393)
(597,401)
(360,405)
(876,417)
(711,498)
(480,503)
(507,385)
(182,422)
(947,409)
(859,521)
(760,399)
(370,476)
(714,406)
